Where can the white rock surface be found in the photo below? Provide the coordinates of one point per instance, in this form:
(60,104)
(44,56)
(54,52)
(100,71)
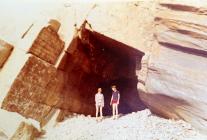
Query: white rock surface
(135,126)
(10,121)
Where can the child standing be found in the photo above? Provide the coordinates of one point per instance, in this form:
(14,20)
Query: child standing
(99,99)
(115,101)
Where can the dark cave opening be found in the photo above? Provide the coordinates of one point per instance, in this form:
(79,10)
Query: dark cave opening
(129,101)
(99,61)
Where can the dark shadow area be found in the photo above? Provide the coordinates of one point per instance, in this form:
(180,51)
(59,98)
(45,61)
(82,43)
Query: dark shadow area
(180,7)
(124,77)
(163,105)
(98,61)
(129,101)
(184,49)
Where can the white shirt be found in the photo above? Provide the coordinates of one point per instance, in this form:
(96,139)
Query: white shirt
(99,99)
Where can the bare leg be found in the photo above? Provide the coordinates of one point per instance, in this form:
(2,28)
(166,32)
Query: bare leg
(101,113)
(117,111)
(97,112)
(113,109)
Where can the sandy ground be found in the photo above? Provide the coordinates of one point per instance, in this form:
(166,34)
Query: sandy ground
(140,125)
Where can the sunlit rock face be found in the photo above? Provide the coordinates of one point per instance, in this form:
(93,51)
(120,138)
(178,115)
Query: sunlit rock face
(5,51)
(36,88)
(34,91)
(176,80)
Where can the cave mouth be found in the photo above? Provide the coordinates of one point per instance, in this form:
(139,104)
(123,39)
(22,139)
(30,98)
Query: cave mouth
(97,61)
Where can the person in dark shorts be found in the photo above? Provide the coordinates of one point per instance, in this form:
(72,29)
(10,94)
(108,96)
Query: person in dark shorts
(115,101)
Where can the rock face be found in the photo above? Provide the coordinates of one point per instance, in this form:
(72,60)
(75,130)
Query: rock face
(40,87)
(176,79)
(99,62)
(5,51)
(25,132)
(3,136)
(170,79)
(32,93)
(37,87)
(47,45)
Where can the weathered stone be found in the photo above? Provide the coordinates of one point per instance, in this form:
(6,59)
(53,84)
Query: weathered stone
(3,136)
(5,51)
(34,91)
(54,24)
(175,86)
(25,132)
(10,121)
(48,44)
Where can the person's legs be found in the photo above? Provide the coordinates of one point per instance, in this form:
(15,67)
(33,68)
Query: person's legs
(97,108)
(117,111)
(113,110)
(101,113)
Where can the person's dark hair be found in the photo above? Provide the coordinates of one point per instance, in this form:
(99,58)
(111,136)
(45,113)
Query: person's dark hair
(113,86)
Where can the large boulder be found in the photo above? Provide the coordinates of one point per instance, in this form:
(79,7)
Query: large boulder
(10,122)
(3,136)
(25,132)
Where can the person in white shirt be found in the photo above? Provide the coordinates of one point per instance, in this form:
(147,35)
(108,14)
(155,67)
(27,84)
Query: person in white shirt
(99,99)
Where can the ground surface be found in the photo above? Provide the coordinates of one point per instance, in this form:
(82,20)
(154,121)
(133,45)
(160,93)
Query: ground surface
(140,125)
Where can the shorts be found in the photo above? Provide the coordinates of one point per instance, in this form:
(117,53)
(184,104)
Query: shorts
(99,104)
(114,101)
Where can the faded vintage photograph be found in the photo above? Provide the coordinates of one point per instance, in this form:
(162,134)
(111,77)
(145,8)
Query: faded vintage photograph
(103,69)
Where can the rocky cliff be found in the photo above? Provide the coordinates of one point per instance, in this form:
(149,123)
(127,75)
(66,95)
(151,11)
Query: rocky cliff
(175,84)
(153,50)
